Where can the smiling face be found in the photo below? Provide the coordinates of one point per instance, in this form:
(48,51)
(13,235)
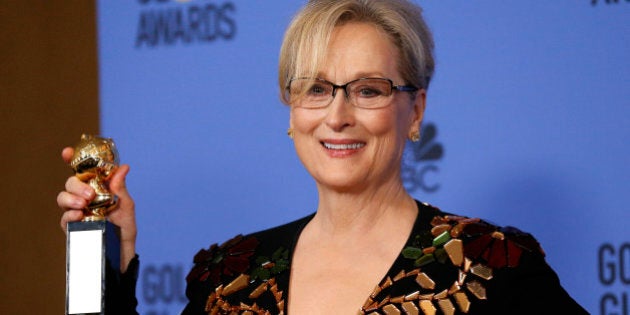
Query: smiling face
(349,149)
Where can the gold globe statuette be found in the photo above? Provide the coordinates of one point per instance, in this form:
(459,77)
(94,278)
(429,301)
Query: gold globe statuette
(95,160)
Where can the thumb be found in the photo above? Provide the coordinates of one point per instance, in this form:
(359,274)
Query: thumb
(117,184)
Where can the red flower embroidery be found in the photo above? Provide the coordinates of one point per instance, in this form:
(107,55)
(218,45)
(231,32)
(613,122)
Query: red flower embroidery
(497,246)
(231,257)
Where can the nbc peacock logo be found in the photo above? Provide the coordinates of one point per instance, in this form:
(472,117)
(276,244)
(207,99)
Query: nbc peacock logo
(420,161)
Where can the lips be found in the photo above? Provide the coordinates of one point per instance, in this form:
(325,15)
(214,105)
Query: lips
(341,148)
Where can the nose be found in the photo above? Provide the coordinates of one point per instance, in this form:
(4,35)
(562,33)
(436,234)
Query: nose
(343,87)
(340,112)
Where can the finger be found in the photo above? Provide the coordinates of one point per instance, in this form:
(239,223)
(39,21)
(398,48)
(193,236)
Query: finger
(75,186)
(67,201)
(70,216)
(66,154)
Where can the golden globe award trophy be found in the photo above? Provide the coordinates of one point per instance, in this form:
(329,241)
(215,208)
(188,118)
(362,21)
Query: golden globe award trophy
(93,246)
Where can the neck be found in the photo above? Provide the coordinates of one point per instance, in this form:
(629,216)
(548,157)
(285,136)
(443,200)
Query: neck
(359,214)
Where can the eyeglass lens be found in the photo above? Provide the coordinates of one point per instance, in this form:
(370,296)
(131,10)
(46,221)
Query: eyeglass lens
(364,93)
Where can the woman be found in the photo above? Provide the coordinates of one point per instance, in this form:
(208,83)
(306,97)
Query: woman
(355,75)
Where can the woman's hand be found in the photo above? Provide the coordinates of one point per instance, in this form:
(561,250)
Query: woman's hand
(78,195)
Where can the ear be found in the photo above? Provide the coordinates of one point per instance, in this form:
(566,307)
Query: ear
(419,105)
(290,117)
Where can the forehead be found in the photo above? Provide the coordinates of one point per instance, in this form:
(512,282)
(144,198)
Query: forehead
(358,50)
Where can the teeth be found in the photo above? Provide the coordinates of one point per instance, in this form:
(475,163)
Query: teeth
(349,146)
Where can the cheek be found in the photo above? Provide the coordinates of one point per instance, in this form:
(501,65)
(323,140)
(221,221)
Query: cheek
(392,131)
(389,123)
(304,121)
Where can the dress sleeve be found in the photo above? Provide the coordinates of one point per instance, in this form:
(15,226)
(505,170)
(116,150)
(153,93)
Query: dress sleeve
(532,288)
(197,294)
(121,289)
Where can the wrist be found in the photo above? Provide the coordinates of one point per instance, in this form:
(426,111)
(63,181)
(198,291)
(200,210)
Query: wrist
(127,253)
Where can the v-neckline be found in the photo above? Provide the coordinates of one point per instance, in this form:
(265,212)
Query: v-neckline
(286,279)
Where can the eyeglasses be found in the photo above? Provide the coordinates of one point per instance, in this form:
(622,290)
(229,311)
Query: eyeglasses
(366,93)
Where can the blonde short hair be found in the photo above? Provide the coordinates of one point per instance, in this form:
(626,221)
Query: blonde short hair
(306,39)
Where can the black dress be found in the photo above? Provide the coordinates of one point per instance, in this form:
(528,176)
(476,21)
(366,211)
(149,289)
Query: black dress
(449,265)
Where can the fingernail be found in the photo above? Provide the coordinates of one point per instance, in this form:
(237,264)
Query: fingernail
(87,193)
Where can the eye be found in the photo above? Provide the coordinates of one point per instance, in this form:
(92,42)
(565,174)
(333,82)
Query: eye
(367,91)
(318,89)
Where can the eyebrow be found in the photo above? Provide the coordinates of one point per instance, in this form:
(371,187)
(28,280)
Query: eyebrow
(359,75)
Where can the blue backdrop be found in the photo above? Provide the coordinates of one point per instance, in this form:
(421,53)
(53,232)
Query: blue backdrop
(527,124)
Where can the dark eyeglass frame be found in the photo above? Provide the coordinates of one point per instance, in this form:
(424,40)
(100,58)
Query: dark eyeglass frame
(344,87)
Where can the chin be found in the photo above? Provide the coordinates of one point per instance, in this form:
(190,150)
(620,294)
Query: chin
(342,183)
